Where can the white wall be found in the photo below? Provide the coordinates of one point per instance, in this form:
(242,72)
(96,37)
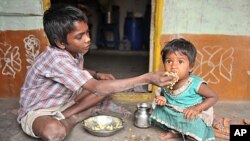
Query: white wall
(228,17)
(21,14)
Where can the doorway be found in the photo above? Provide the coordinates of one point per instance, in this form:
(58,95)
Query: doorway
(131,56)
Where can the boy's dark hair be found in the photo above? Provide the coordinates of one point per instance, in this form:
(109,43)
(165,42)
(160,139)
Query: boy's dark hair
(59,20)
(180,45)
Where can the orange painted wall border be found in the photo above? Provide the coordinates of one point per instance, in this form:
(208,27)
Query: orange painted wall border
(13,49)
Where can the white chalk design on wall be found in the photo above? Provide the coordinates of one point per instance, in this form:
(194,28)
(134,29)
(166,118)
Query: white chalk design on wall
(10,61)
(223,66)
(32,46)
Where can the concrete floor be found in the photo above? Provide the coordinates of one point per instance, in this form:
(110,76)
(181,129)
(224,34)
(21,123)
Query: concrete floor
(11,131)
(121,66)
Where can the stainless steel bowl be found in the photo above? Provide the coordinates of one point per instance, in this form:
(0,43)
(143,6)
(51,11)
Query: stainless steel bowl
(103,125)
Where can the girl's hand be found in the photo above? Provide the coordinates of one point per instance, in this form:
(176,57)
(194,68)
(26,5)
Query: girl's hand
(160,100)
(104,76)
(192,112)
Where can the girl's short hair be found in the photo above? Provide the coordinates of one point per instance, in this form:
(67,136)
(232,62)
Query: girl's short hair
(59,20)
(180,45)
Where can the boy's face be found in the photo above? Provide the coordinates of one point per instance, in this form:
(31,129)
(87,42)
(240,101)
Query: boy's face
(177,62)
(78,40)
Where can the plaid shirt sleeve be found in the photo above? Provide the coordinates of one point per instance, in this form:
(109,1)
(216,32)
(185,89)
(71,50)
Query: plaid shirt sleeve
(68,73)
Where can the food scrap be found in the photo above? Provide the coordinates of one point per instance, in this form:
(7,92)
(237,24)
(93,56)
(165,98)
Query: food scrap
(175,79)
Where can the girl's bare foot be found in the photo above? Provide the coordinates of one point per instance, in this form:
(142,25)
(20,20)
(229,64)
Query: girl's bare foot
(169,134)
(246,121)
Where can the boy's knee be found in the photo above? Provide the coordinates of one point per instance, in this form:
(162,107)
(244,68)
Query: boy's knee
(54,131)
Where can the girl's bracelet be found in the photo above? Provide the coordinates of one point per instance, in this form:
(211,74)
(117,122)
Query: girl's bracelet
(200,107)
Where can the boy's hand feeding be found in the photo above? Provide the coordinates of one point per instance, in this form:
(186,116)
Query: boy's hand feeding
(160,79)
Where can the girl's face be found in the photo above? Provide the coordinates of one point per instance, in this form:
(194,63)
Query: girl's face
(178,62)
(78,40)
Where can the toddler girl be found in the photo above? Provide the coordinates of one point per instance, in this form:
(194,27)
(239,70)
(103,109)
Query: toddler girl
(185,108)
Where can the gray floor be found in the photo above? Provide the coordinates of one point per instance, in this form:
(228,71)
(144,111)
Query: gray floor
(121,66)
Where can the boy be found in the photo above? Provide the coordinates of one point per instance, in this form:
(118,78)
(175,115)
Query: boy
(58,92)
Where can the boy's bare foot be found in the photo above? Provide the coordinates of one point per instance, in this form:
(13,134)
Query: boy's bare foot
(109,106)
(70,122)
(83,115)
(168,135)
